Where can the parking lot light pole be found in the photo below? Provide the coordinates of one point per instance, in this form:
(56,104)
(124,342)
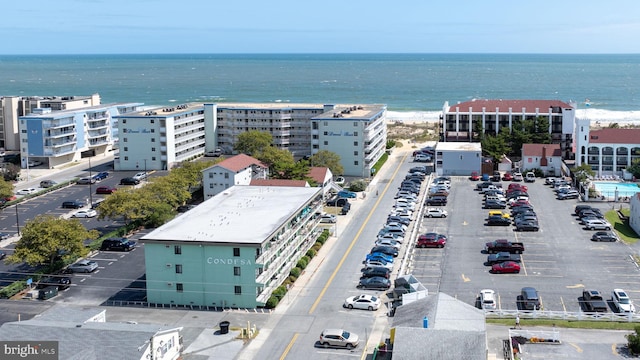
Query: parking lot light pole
(90,190)
(17,220)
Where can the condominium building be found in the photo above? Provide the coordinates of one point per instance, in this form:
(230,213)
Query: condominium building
(160,138)
(462,121)
(57,137)
(13,107)
(234,249)
(608,151)
(358,134)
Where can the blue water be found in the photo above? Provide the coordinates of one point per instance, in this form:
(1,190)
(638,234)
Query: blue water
(609,188)
(404,82)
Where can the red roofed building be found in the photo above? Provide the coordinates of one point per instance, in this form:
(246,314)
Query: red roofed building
(461,121)
(547,157)
(279,182)
(608,151)
(236,170)
(323,178)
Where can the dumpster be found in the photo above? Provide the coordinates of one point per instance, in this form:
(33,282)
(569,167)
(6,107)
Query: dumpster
(224,327)
(48,292)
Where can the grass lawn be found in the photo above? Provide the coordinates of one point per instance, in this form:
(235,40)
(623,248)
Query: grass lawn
(625,232)
(604,325)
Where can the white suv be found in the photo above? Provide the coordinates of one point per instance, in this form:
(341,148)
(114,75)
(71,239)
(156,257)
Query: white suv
(435,212)
(597,224)
(622,301)
(487,299)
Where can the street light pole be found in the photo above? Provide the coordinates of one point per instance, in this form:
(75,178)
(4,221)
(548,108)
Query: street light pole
(17,220)
(145,170)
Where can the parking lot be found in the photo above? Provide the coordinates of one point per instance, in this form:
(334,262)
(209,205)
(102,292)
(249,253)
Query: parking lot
(559,261)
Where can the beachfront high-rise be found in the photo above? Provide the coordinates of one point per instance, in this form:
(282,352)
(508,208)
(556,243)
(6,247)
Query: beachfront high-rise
(460,122)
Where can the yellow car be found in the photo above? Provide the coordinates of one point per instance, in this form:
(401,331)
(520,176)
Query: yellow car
(500,213)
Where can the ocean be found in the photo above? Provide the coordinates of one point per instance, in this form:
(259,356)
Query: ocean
(414,85)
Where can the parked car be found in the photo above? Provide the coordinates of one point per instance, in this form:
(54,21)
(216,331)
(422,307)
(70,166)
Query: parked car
(529,299)
(528,226)
(435,212)
(27,191)
(387,250)
(517,176)
(398,219)
(4,236)
(83,266)
(437,200)
(338,337)
(474,176)
(495,204)
(185,208)
(105,190)
(337,201)
(2,254)
(101,175)
(73,204)
(530,177)
(214,153)
(129,181)
(33,163)
(498,221)
(378,263)
(363,302)
(487,299)
(376,271)
(87,213)
(507,177)
(117,244)
(379,256)
(389,242)
(431,240)
(347,194)
(622,302)
(507,267)
(391,236)
(140,176)
(592,301)
(85,181)
(422,158)
(47,183)
(374,283)
(604,236)
(502,257)
(62,282)
(328,218)
(597,224)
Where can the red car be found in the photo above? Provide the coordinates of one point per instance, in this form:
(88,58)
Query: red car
(519,203)
(507,177)
(431,240)
(474,176)
(507,267)
(516,186)
(105,190)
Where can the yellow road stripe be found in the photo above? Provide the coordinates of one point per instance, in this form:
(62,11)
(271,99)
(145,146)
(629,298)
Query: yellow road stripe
(288,348)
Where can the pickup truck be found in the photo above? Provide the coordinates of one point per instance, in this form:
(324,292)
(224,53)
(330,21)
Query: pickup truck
(592,301)
(501,257)
(503,245)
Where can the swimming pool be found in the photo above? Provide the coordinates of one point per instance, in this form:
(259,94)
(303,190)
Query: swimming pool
(608,188)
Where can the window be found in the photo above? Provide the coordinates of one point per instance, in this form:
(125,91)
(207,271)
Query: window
(177,249)
(355,163)
(211,186)
(126,158)
(355,153)
(355,133)
(124,121)
(226,175)
(326,143)
(355,123)
(355,143)
(124,140)
(153,139)
(236,251)
(153,158)
(236,270)
(179,287)
(153,121)
(326,123)
(153,130)
(238,290)
(178,268)
(126,148)
(210,175)
(153,149)
(326,133)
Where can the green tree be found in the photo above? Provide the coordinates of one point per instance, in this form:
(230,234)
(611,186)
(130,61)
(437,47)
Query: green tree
(582,172)
(11,172)
(495,146)
(634,168)
(539,130)
(253,142)
(329,159)
(126,204)
(6,189)
(45,236)
(276,159)
(614,125)
(478,130)
(633,341)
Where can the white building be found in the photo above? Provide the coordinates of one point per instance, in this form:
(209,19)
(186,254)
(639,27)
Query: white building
(84,333)
(358,134)
(461,122)
(546,157)
(13,107)
(458,158)
(608,151)
(160,138)
(64,136)
(236,170)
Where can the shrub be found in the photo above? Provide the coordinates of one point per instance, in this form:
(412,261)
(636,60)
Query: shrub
(358,185)
(291,279)
(321,240)
(306,259)
(317,247)
(301,264)
(295,272)
(12,289)
(272,302)
(311,253)
(634,341)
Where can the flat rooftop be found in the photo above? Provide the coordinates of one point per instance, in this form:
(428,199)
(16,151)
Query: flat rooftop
(352,112)
(459,146)
(242,214)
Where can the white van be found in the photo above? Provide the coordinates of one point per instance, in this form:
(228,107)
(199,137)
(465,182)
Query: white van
(530,177)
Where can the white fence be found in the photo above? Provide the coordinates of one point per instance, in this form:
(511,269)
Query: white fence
(562,315)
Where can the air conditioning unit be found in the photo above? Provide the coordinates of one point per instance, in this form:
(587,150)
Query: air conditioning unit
(168,265)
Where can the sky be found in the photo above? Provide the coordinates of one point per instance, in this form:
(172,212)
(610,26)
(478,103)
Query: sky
(329,26)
